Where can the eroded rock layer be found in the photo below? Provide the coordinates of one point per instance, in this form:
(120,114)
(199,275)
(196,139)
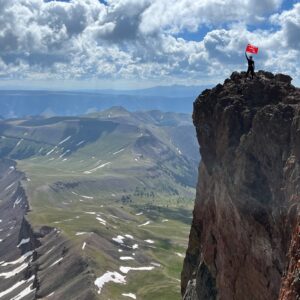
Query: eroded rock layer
(244,240)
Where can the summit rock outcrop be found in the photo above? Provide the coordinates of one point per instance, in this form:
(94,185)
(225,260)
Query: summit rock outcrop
(244,241)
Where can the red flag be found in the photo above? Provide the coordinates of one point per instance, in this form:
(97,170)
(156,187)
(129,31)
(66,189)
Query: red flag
(252,49)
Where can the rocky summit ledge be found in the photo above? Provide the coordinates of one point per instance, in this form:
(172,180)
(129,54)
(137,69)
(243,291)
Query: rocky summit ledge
(265,88)
(244,238)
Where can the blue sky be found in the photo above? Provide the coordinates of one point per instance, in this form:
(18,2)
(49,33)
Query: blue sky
(140,43)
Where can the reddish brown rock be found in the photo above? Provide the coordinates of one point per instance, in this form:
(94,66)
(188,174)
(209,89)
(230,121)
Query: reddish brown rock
(244,240)
(291,282)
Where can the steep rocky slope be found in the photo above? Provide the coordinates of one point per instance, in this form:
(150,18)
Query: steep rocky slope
(244,240)
(30,262)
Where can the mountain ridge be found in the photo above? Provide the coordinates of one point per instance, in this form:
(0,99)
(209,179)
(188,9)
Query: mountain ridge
(21,103)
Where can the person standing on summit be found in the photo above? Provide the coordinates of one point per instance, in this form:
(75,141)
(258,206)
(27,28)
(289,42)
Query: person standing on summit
(251,66)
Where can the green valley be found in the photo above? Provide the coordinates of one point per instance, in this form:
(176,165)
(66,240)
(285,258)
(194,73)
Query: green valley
(119,187)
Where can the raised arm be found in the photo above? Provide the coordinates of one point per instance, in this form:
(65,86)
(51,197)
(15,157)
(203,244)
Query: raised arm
(246,56)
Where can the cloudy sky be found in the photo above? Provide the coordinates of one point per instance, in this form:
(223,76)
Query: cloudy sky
(140,43)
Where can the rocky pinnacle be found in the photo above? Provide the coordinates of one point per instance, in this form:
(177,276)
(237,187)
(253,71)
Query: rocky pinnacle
(244,241)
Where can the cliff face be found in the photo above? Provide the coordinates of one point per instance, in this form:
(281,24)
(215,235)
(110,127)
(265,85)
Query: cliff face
(244,239)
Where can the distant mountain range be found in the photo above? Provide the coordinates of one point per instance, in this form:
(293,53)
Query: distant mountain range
(172,91)
(153,139)
(21,103)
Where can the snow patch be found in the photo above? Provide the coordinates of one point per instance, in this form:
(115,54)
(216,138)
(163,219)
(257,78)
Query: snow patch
(129,236)
(50,295)
(103,222)
(80,143)
(18,200)
(119,151)
(178,150)
(147,223)
(83,246)
(126,258)
(139,214)
(81,233)
(23,241)
(108,277)
(52,150)
(56,262)
(115,217)
(149,241)
(65,153)
(19,142)
(24,293)
(15,286)
(19,260)
(11,169)
(95,169)
(63,141)
(179,254)
(130,295)
(12,273)
(135,246)
(10,186)
(50,250)
(11,288)
(119,239)
(86,197)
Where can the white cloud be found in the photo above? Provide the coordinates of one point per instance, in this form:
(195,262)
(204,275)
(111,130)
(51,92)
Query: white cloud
(138,39)
(175,15)
(290,23)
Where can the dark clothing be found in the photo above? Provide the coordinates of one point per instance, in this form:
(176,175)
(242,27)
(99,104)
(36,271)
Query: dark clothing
(251,71)
(251,66)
